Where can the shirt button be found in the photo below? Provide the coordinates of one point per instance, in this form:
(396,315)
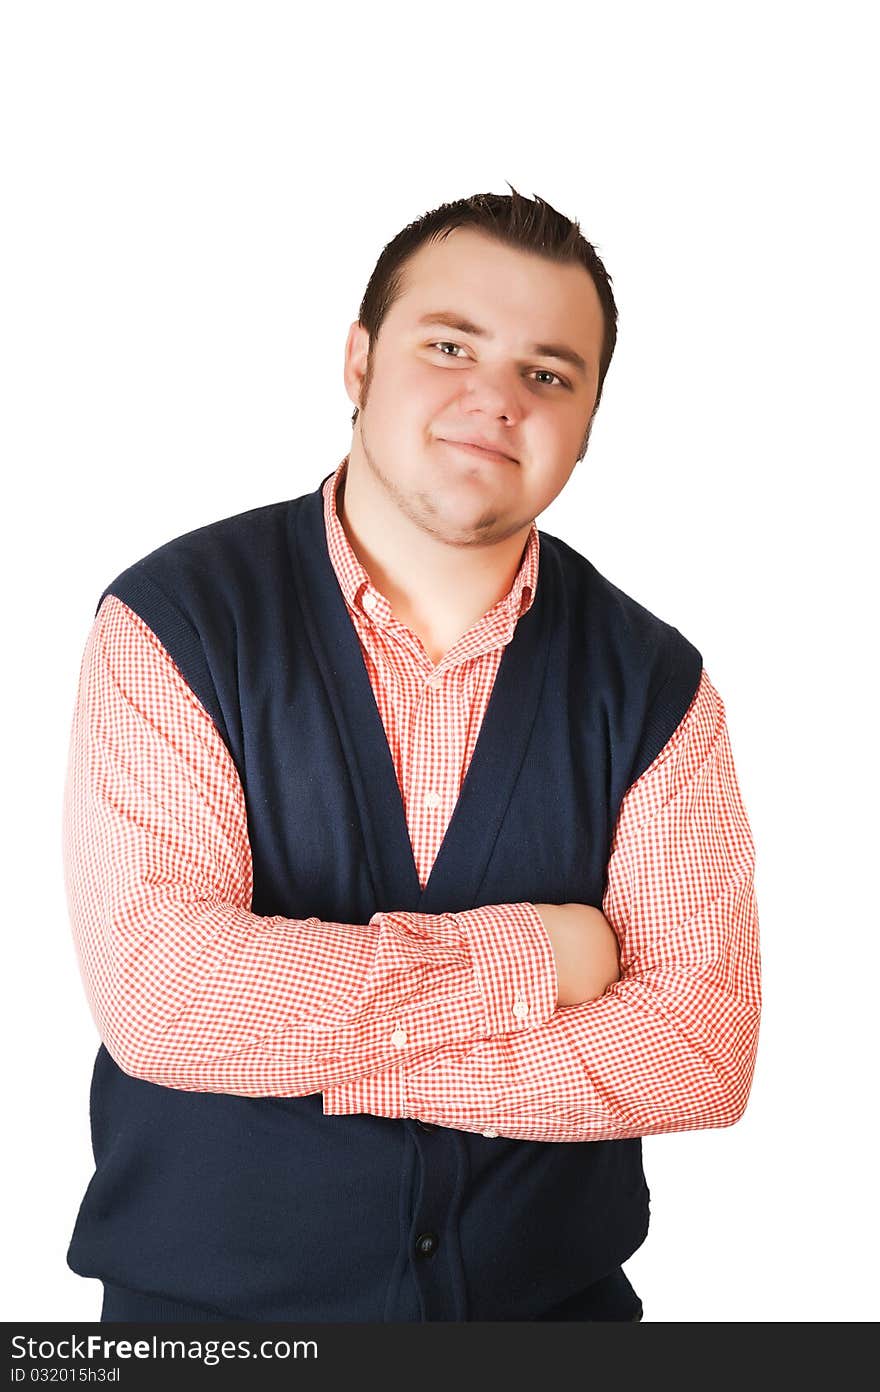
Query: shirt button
(398,1038)
(490,1133)
(521,1009)
(369,601)
(426,1244)
(433,799)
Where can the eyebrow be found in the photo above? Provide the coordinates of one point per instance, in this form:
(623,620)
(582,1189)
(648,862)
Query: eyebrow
(452,320)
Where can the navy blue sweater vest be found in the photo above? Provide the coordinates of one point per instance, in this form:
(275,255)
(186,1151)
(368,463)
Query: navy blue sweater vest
(265,1208)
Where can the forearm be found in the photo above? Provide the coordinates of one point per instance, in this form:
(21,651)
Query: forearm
(667,1048)
(188,987)
(211,997)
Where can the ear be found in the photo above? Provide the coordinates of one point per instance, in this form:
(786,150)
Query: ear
(357,348)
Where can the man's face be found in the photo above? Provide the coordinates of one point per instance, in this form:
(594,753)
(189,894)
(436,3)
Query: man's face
(427,385)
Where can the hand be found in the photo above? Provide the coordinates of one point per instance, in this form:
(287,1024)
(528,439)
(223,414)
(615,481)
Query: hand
(585,948)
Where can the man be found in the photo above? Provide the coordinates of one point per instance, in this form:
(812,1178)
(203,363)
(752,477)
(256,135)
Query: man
(408,870)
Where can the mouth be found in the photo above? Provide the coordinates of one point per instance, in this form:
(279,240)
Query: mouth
(478,452)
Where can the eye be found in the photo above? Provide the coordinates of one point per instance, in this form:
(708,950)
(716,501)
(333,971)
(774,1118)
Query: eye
(443,344)
(547,373)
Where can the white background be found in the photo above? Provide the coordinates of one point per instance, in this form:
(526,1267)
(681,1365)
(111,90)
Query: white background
(195,196)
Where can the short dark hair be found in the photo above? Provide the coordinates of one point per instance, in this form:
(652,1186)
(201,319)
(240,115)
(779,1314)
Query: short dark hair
(514,220)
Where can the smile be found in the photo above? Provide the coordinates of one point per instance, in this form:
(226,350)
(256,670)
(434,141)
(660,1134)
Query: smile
(479,453)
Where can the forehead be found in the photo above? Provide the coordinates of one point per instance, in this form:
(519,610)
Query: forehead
(507,289)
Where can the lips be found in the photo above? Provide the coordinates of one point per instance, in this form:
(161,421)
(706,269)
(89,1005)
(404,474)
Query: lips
(478,449)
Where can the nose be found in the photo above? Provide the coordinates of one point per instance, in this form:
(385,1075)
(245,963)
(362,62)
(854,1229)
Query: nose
(494,392)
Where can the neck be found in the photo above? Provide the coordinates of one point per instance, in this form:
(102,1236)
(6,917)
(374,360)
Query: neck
(437,589)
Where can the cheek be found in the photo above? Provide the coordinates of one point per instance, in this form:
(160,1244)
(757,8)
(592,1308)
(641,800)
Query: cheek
(563,473)
(411,390)
(555,457)
(430,381)
(424,383)
(562,430)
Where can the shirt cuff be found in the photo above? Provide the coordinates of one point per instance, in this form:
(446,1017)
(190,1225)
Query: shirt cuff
(513,963)
(381,1095)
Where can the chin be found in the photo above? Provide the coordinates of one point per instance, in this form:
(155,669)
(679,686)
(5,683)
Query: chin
(468,523)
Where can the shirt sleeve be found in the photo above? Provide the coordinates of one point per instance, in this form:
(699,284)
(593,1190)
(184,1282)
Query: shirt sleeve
(672,1045)
(187,986)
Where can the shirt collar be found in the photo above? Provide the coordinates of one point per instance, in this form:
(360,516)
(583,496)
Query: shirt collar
(361,594)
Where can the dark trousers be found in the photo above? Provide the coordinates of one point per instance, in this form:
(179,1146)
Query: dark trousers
(612,1298)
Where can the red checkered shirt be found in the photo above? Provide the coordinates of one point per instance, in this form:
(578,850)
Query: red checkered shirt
(411,1015)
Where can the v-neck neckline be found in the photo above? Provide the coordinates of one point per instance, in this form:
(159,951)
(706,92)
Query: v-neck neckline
(461,862)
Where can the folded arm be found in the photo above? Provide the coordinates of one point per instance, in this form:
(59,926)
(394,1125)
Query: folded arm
(189,988)
(671,1046)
